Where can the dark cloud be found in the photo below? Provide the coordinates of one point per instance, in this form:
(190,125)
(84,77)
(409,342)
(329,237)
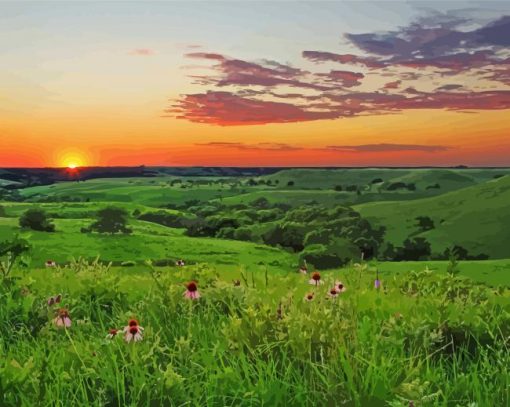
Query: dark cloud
(323,56)
(450,87)
(258,146)
(383,147)
(346,79)
(392,85)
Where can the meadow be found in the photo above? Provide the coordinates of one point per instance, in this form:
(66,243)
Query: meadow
(427,332)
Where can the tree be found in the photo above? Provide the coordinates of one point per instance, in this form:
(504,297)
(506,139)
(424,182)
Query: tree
(338,188)
(424,223)
(2,211)
(415,249)
(36,219)
(336,254)
(111,220)
(10,252)
(290,183)
(288,234)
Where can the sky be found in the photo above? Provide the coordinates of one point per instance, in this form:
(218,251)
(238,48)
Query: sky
(247,83)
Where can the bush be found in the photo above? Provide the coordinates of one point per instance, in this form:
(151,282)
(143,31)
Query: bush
(36,219)
(243,233)
(424,223)
(111,220)
(338,253)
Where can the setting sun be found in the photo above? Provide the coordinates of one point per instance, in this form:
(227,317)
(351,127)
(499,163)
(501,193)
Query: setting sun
(72,166)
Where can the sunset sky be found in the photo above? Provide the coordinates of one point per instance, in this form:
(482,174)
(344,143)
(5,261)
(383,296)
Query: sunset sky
(255,83)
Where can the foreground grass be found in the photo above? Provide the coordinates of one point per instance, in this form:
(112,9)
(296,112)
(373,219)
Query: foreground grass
(425,337)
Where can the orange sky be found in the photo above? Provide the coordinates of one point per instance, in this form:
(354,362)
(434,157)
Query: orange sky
(131,95)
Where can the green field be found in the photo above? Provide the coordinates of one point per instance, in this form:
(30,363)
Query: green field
(434,334)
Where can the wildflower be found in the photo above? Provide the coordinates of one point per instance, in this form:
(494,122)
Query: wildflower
(112,333)
(179,263)
(192,291)
(133,331)
(303,270)
(237,283)
(333,293)
(309,297)
(50,263)
(62,319)
(316,279)
(54,300)
(377,282)
(339,286)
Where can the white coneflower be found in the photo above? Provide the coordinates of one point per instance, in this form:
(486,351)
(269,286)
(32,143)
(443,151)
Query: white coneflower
(339,286)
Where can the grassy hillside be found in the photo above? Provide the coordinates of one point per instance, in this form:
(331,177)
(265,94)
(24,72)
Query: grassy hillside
(476,218)
(148,241)
(448,179)
(147,191)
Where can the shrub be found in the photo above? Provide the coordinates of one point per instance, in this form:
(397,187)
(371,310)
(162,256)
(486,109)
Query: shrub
(36,219)
(424,223)
(336,254)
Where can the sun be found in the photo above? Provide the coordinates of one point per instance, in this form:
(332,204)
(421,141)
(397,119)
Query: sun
(72,159)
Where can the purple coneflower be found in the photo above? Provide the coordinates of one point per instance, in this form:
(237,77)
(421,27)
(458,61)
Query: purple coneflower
(333,293)
(112,333)
(54,300)
(309,297)
(62,320)
(237,283)
(303,270)
(316,279)
(192,291)
(133,332)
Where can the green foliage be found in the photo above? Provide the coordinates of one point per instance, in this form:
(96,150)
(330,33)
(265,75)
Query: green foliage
(336,253)
(426,338)
(111,220)
(11,251)
(36,219)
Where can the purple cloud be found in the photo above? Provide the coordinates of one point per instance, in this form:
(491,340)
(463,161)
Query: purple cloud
(435,46)
(384,147)
(229,109)
(144,52)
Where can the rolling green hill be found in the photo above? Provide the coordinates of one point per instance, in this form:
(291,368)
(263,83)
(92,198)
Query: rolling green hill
(476,218)
(447,178)
(146,191)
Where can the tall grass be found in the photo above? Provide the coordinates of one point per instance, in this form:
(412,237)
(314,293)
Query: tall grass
(430,339)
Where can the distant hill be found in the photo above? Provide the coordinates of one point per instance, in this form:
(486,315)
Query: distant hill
(476,218)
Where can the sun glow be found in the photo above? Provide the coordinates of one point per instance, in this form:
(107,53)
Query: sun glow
(72,159)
